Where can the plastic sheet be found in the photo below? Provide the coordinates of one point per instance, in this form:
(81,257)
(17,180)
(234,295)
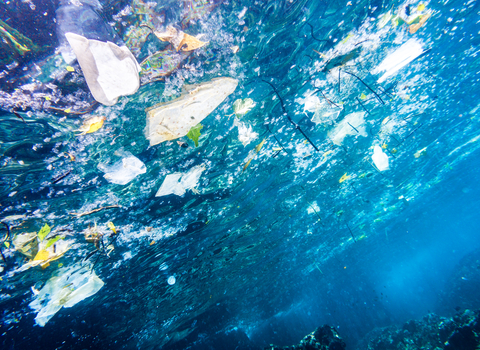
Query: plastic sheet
(179,183)
(352,124)
(125,170)
(171,120)
(380,158)
(70,287)
(111,71)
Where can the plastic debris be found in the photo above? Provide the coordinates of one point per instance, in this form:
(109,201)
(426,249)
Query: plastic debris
(171,280)
(92,124)
(344,177)
(352,124)
(245,133)
(70,287)
(380,159)
(48,251)
(324,112)
(399,59)
(123,171)
(27,244)
(179,183)
(242,107)
(161,64)
(179,39)
(174,119)
(420,153)
(110,71)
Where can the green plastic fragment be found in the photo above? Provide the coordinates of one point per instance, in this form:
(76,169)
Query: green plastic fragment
(7,244)
(194,133)
(53,240)
(44,231)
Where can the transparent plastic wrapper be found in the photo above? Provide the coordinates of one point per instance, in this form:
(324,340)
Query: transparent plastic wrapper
(111,71)
(179,183)
(27,244)
(352,124)
(71,286)
(380,158)
(125,170)
(174,119)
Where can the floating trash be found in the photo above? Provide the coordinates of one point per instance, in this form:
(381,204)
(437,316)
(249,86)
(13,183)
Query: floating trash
(110,71)
(174,119)
(125,170)
(67,289)
(171,280)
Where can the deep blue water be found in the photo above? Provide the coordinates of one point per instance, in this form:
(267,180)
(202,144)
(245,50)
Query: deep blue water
(309,232)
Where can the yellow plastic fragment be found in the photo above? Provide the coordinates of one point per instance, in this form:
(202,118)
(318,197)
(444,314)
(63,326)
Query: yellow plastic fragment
(70,69)
(420,7)
(41,255)
(384,146)
(344,177)
(68,110)
(111,226)
(47,98)
(363,96)
(414,27)
(91,125)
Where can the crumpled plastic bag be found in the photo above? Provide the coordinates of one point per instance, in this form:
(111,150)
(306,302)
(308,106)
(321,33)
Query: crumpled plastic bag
(71,286)
(323,111)
(111,71)
(380,159)
(179,183)
(352,124)
(27,244)
(123,171)
(174,119)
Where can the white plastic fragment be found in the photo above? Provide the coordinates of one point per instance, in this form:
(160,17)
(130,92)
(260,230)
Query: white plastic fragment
(174,119)
(179,183)
(171,280)
(125,170)
(65,290)
(110,71)
(380,159)
(245,133)
(399,59)
(352,124)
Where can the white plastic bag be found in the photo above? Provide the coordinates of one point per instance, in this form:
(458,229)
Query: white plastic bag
(178,183)
(70,287)
(125,170)
(111,71)
(380,158)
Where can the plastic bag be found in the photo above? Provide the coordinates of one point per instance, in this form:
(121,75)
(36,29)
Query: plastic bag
(380,158)
(352,124)
(125,170)
(111,71)
(174,119)
(178,183)
(65,290)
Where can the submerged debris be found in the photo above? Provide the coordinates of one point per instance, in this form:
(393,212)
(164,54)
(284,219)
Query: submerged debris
(174,119)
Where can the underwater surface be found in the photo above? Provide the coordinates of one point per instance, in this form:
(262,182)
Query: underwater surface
(233,174)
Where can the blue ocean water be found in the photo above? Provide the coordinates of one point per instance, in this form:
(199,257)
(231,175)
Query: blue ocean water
(291,222)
